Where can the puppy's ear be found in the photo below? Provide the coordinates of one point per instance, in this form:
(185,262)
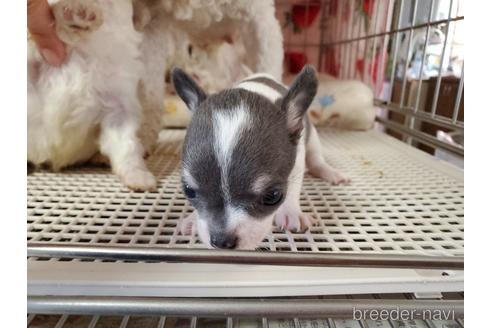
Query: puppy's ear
(298,99)
(187,89)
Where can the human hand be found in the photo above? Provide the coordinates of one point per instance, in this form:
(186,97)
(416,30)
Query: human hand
(41,26)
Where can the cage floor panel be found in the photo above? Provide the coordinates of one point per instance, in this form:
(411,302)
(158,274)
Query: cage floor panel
(400,200)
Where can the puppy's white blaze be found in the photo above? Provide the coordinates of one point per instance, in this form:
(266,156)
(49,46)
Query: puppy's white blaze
(188,179)
(228,126)
(261,89)
(260,184)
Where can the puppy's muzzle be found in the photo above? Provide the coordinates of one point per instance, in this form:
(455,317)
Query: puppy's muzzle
(223,241)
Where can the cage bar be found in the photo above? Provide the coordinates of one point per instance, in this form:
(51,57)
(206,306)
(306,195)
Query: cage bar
(244,257)
(439,76)
(458,95)
(216,307)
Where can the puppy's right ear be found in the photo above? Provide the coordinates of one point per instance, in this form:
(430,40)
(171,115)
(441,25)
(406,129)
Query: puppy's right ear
(187,89)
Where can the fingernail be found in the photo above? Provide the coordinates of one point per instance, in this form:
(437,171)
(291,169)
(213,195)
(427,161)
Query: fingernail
(50,57)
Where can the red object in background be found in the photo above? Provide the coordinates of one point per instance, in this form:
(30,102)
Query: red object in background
(359,66)
(331,66)
(295,61)
(303,15)
(368,6)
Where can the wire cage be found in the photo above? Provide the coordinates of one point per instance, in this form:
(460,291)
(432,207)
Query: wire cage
(101,255)
(409,52)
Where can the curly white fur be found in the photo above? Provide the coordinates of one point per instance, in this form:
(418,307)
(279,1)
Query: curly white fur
(251,23)
(90,103)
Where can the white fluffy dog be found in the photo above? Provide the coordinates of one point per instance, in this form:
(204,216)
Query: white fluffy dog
(91,103)
(108,96)
(192,34)
(249,22)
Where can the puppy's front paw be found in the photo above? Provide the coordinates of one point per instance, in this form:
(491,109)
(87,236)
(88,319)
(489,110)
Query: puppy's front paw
(329,175)
(336,178)
(139,180)
(292,219)
(187,225)
(75,19)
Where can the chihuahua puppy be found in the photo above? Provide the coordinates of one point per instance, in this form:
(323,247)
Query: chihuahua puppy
(244,157)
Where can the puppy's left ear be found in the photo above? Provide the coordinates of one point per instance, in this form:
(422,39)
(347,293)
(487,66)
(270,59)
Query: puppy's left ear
(298,99)
(187,89)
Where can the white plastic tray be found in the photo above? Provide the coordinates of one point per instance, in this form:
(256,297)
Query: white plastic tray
(400,201)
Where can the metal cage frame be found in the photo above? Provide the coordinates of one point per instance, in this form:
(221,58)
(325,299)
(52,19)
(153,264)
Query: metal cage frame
(353,39)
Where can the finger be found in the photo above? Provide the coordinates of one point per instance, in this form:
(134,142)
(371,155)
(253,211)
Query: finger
(41,26)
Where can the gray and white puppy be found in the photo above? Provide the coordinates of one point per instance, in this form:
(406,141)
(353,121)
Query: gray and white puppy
(244,158)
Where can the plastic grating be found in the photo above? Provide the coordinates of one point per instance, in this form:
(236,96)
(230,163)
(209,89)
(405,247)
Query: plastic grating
(400,201)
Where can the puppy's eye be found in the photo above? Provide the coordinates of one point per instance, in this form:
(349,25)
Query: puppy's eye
(272,197)
(189,192)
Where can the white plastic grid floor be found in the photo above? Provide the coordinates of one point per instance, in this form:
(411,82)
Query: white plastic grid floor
(400,201)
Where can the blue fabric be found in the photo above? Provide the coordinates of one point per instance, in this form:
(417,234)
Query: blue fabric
(326,100)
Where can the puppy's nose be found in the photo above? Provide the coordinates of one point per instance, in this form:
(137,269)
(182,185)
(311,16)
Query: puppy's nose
(224,242)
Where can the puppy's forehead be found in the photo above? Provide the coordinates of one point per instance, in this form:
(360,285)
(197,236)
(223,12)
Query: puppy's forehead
(235,137)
